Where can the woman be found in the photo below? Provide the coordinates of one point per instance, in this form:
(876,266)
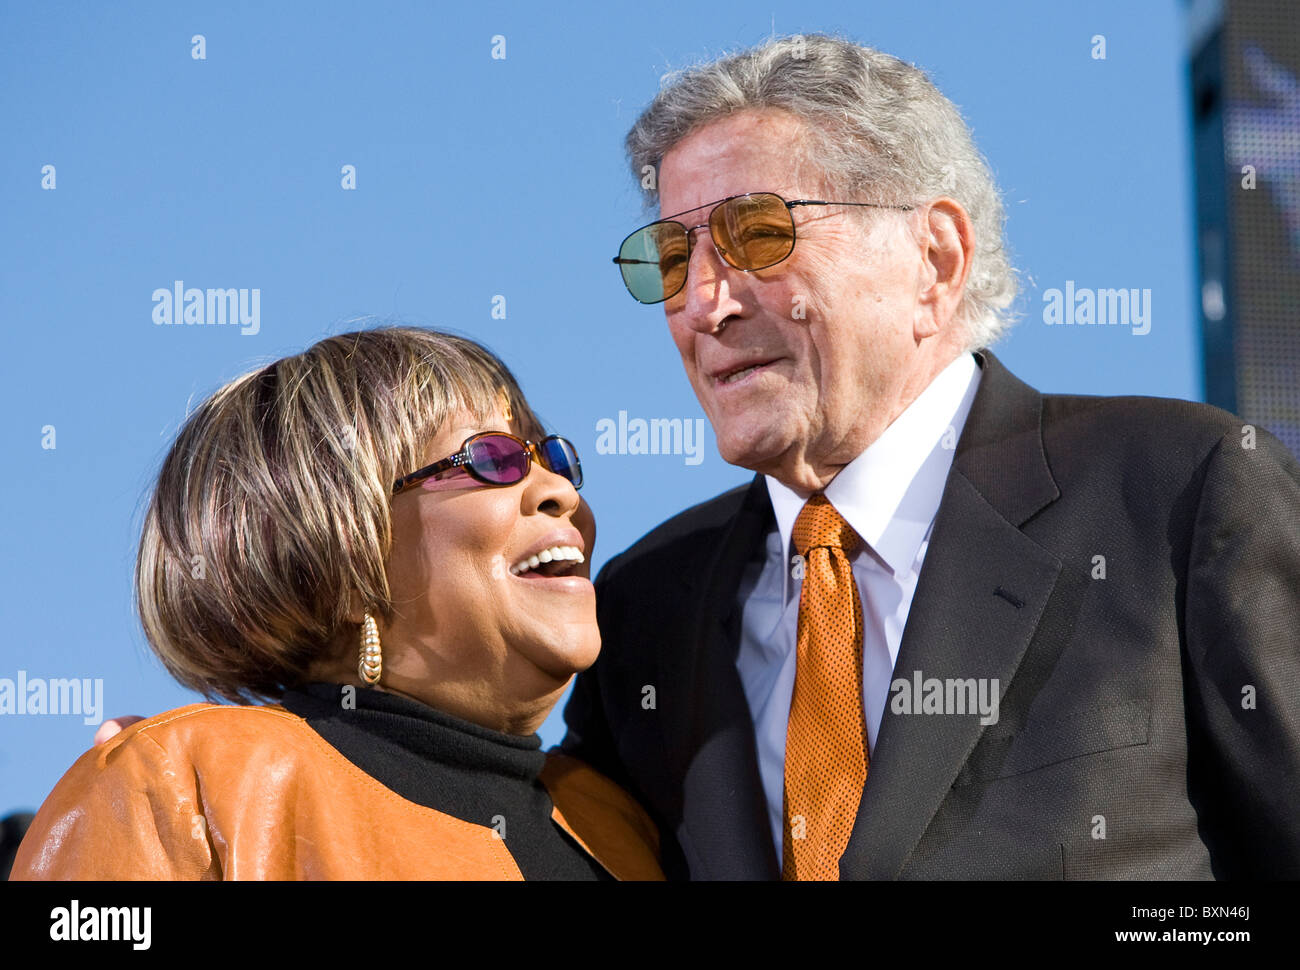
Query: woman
(376,536)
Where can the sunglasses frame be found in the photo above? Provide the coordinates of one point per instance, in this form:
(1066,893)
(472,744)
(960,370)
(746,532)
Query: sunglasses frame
(461,459)
(690,236)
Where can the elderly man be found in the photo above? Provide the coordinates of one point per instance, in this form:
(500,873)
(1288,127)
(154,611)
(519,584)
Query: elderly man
(953,628)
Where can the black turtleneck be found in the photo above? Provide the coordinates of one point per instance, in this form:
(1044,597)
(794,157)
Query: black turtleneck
(452,766)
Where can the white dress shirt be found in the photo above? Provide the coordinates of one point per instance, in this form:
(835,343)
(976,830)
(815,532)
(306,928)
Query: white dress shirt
(890,495)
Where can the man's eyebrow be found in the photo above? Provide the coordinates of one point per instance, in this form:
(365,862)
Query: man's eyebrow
(696,209)
(727,198)
(781,194)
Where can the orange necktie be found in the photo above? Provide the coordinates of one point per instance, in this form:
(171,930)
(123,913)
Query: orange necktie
(826,739)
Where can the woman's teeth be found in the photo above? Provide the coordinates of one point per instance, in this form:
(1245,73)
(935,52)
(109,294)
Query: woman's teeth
(553,554)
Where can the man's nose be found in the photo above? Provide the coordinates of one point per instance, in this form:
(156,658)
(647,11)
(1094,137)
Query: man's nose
(709,283)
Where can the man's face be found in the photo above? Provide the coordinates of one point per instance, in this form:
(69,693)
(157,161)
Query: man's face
(830,331)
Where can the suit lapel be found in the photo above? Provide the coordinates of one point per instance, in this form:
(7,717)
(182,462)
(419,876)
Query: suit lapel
(724,813)
(983,591)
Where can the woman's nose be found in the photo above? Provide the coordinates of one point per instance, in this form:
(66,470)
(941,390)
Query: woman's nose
(549,492)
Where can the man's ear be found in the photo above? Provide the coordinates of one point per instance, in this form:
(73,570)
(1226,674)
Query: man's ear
(948,239)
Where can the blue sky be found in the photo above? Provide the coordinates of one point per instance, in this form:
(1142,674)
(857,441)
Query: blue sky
(475,177)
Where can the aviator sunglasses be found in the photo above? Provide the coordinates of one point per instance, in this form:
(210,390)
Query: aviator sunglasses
(498,458)
(751,232)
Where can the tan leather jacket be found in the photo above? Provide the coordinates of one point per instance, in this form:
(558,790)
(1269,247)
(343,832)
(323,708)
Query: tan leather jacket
(216,792)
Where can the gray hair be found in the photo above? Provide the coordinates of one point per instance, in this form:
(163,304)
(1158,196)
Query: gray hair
(880,131)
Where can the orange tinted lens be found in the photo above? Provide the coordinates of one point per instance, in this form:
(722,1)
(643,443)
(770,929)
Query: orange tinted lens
(674,255)
(753,231)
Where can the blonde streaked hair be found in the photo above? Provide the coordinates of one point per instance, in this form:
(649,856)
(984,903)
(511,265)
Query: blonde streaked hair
(271,516)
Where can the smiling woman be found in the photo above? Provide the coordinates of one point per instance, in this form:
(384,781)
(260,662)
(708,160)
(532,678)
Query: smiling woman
(377,537)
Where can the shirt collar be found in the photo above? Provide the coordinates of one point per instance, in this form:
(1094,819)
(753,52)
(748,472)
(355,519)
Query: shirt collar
(890,493)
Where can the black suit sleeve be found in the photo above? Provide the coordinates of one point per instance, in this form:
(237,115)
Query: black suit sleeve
(1243,670)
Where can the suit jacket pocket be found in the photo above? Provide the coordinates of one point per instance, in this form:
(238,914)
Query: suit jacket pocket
(1167,854)
(1005,753)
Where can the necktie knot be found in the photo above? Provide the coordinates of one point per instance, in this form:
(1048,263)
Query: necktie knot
(820,525)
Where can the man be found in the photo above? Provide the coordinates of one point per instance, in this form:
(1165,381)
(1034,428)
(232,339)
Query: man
(953,628)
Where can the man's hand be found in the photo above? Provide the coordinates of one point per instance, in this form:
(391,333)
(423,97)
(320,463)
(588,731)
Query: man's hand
(113,725)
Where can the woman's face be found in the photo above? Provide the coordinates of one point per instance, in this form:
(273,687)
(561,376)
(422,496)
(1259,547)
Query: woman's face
(469,636)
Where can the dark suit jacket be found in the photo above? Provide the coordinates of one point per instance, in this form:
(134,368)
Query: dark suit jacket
(1158,706)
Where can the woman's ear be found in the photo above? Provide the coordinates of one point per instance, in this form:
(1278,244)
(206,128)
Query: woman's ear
(356,608)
